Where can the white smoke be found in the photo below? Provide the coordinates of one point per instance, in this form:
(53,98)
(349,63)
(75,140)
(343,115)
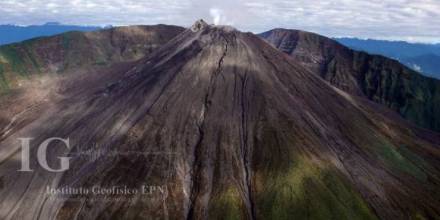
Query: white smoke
(225,12)
(217,16)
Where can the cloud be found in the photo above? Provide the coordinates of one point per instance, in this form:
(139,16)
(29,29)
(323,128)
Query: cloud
(388,19)
(417,20)
(92,12)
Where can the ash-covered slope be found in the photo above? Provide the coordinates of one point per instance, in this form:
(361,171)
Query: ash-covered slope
(234,129)
(75,50)
(383,80)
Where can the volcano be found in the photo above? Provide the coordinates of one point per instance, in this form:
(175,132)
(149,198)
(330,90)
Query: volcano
(218,124)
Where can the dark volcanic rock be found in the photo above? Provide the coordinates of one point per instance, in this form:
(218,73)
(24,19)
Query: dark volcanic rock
(234,129)
(383,80)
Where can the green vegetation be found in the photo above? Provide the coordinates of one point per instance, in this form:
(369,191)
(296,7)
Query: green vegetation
(412,95)
(418,216)
(76,51)
(414,158)
(393,158)
(66,40)
(31,56)
(227,205)
(101,61)
(3,82)
(12,56)
(17,60)
(307,191)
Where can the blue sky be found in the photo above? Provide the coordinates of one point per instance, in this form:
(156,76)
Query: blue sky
(416,20)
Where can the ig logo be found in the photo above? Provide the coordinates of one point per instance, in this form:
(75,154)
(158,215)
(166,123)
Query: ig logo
(42,155)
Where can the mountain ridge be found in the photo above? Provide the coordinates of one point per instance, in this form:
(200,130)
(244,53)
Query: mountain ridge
(376,77)
(397,49)
(409,54)
(14,33)
(76,50)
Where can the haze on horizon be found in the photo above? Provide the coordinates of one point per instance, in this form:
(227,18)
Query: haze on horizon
(413,21)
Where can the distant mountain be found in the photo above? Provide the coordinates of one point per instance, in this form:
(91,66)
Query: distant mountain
(393,49)
(13,33)
(423,58)
(427,63)
(378,78)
